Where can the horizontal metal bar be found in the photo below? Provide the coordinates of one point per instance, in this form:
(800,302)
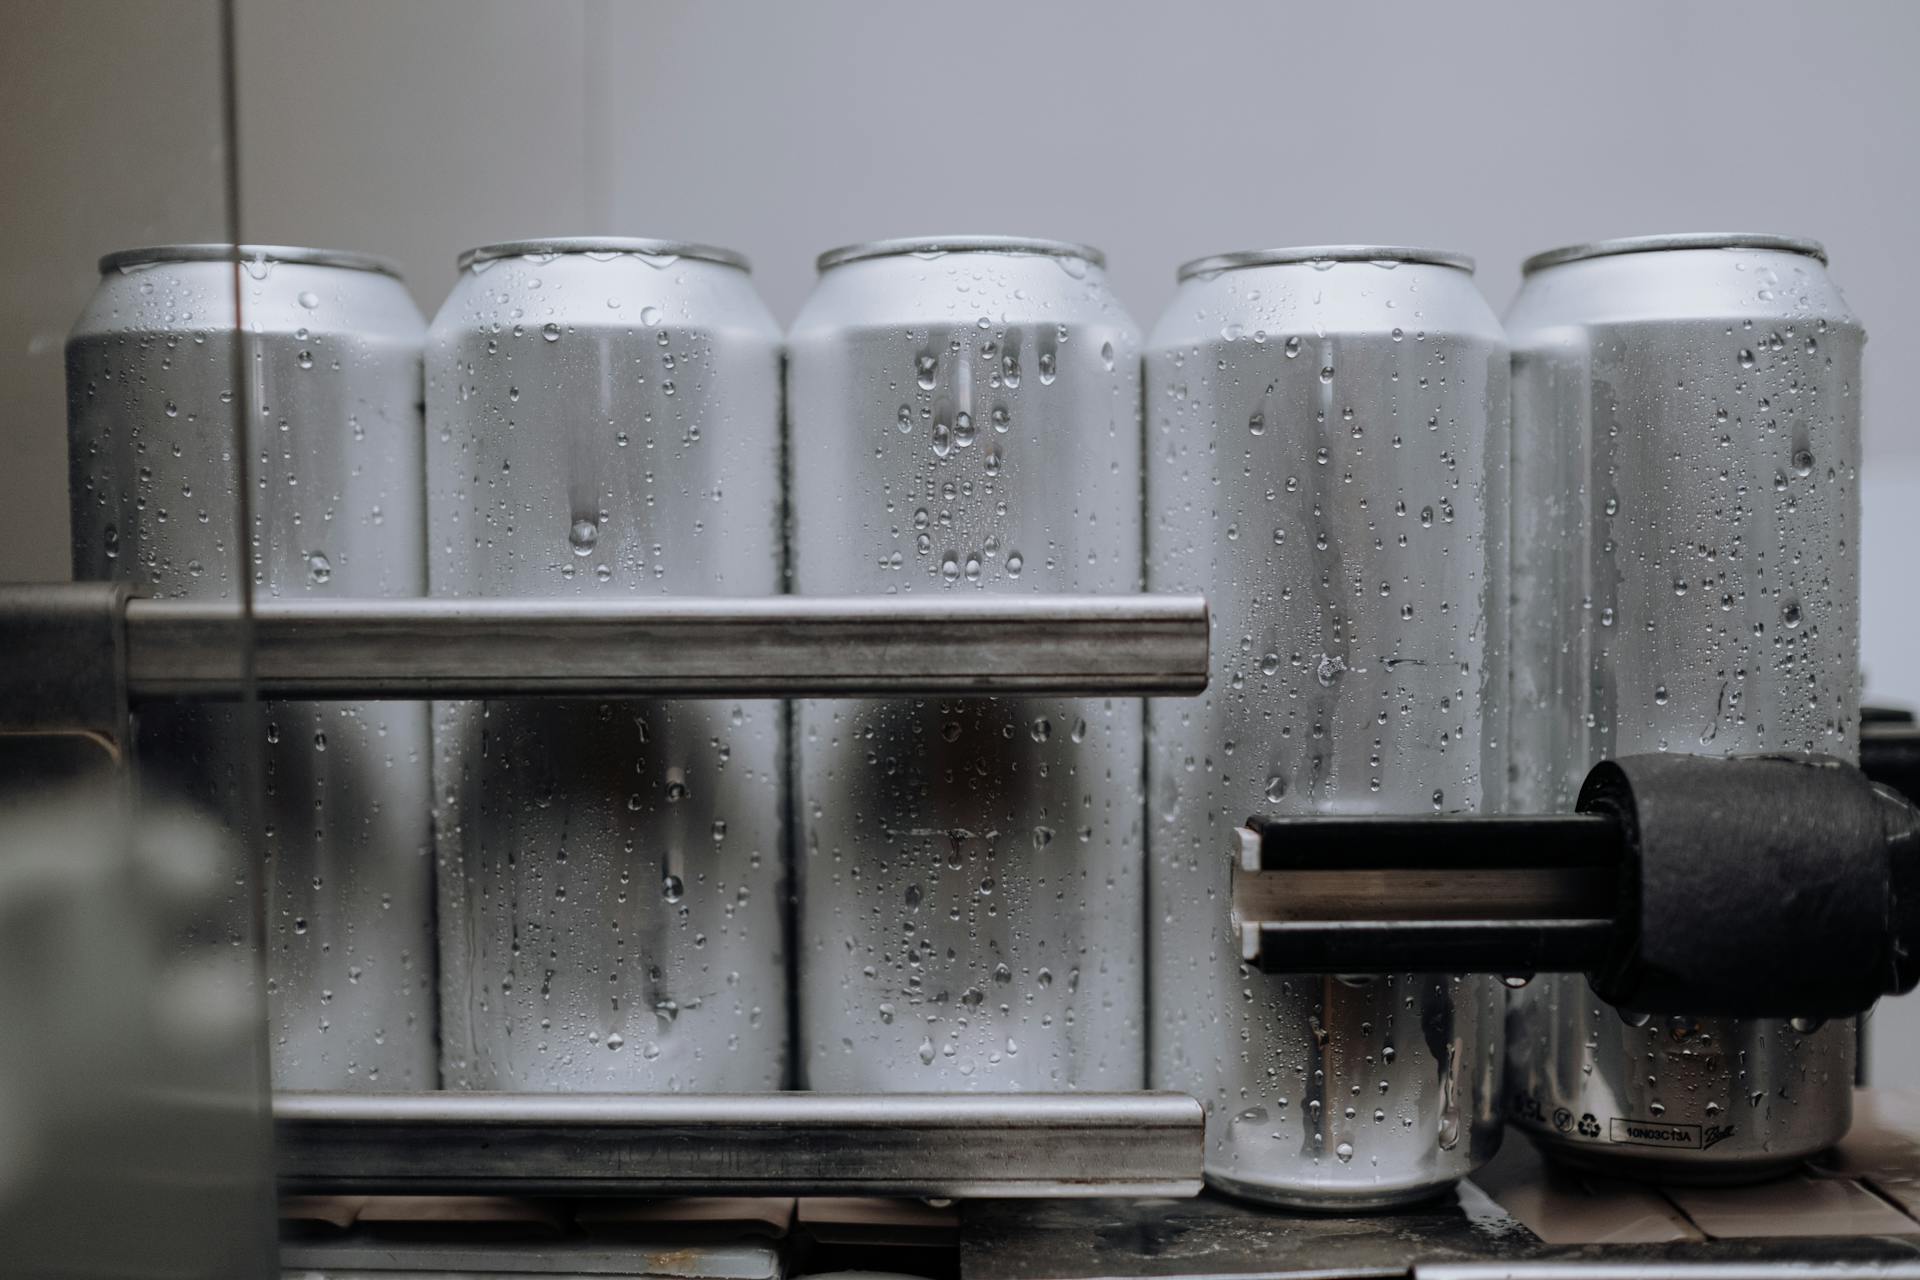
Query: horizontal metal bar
(1832,1257)
(482,1255)
(1437,842)
(933,1145)
(780,646)
(1391,894)
(1358,894)
(1429,946)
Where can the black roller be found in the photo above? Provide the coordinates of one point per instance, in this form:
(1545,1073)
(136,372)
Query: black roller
(1752,887)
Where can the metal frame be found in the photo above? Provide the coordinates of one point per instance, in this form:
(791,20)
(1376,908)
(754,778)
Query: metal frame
(82,655)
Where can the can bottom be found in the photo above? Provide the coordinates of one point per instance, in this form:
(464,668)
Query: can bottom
(1588,1157)
(1330,1199)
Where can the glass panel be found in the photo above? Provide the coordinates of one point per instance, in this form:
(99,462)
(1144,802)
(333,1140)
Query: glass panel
(132,1066)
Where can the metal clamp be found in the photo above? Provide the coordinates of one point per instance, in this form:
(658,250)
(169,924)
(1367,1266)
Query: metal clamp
(1759,886)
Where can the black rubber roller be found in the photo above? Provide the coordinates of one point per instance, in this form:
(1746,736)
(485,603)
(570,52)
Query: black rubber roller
(1757,885)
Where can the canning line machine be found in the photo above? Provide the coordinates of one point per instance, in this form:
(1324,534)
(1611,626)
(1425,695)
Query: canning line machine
(676,799)
(1046,1185)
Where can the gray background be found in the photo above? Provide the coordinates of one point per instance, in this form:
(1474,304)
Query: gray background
(414,128)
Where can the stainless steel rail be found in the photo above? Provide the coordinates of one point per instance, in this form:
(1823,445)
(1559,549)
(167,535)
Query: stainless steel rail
(931,1145)
(781,646)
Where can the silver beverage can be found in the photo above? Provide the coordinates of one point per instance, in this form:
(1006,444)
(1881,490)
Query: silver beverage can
(964,417)
(333,440)
(1327,434)
(1686,520)
(603,422)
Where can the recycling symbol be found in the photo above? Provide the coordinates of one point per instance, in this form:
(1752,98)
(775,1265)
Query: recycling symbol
(1589,1127)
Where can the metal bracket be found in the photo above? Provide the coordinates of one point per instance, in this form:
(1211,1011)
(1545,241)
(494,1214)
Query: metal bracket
(64,671)
(1808,871)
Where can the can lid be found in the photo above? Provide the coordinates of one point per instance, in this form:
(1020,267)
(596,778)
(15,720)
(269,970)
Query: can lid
(607,245)
(933,245)
(1660,244)
(153,254)
(1324,253)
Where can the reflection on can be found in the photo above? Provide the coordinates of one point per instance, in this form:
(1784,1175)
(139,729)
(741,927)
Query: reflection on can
(1686,513)
(1326,449)
(964,417)
(603,422)
(334,448)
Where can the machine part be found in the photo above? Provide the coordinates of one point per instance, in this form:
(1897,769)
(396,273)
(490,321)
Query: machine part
(1686,524)
(66,667)
(685,647)
(83,650)
(1812,873)
(814,1144)
(329,420)
(1462,1237)
(371,1255)
(1890,752)
(133,1056)
(1504,895)
(603,423)
(1854,1257)
(1327,442)
(1211,1237)
(964,418)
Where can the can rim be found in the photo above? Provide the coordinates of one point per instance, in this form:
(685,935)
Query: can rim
(155,254)
(1681,240)
(1324,253)
(605,244)
(958,244)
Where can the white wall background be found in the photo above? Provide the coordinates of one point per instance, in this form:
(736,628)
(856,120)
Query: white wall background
(415,128)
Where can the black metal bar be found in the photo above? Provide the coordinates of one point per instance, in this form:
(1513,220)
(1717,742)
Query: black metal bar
(1437,842)
(1437,947)
(1449,946)
(1366,894)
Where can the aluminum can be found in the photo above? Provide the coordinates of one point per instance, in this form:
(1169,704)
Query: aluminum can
(964,417)
(1327,433)
(333,440)
(603,422)
(1686,520)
